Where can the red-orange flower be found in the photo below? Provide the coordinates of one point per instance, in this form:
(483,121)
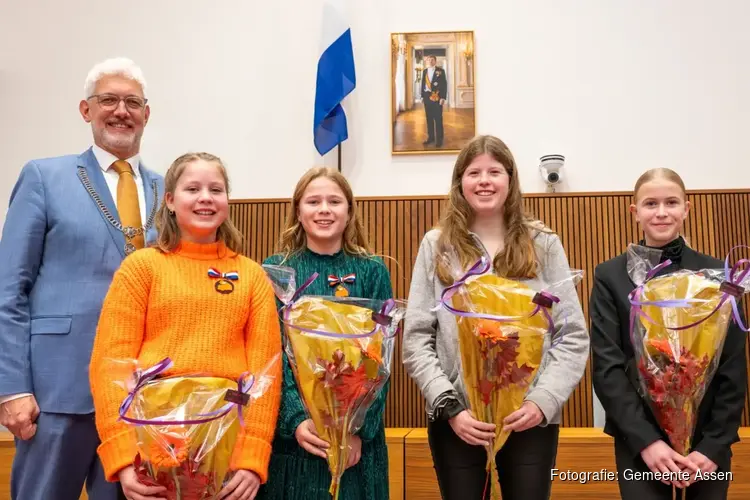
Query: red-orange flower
(329,371)
(170,450)
(671,389)
(354,387)
(372,351)
(489,330)
(500,354)
(184,478)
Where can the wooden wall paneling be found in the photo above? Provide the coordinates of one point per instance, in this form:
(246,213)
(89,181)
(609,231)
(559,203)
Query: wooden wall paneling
(593,227)
(731,220)
(252,240)
(744,221)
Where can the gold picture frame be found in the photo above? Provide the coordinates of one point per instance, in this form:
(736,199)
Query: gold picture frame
(420,105)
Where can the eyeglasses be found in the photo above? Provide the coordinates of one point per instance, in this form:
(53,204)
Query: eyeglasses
(111,101)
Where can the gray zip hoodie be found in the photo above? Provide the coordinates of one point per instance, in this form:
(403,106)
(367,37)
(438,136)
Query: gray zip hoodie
(430,340)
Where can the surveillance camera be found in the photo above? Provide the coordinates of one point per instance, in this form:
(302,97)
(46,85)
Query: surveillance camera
(550,166)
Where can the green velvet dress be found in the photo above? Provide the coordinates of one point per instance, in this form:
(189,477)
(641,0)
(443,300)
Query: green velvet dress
(295,474)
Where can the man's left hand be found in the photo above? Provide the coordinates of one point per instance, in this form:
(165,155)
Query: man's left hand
(442,101)
(527,416)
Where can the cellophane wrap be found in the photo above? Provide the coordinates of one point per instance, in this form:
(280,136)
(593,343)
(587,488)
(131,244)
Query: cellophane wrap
(185,428)
(340,350)
(678,324)
(501,336)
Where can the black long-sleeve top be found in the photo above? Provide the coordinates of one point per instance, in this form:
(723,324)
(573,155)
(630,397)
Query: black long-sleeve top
(615,376)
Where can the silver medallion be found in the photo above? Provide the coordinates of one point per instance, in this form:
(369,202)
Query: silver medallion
(127,231)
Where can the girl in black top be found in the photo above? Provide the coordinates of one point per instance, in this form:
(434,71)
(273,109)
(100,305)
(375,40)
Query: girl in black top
(660,208)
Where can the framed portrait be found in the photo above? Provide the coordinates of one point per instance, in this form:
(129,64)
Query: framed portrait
(432,92)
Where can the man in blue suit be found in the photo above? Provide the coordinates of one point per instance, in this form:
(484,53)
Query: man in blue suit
(71,221)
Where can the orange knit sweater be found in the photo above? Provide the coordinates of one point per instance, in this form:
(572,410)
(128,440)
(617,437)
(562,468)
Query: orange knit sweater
(166,304)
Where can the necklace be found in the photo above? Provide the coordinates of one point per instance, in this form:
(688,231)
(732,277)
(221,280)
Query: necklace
(128,231)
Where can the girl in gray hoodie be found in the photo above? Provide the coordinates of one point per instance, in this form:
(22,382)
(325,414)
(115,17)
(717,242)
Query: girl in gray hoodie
(485,214)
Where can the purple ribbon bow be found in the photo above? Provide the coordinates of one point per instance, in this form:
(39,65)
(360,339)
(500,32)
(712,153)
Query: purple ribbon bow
(159,368)
(543,300)
(731,290)
(381,318)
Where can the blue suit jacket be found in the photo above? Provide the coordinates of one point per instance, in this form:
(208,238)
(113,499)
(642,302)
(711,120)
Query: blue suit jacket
(58,254)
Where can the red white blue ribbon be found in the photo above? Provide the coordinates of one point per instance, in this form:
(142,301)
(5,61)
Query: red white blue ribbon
(334,280)
(215,273)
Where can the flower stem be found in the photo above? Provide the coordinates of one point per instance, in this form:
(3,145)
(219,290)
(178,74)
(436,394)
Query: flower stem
(178,494)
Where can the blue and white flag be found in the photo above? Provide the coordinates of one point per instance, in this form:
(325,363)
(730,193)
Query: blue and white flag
(336,78)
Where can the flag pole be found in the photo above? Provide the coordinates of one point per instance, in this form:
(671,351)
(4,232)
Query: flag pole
(338,148)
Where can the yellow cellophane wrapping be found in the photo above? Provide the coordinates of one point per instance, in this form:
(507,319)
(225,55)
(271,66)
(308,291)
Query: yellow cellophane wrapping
(487,348)
(663,347)
(205,448)
(358,360)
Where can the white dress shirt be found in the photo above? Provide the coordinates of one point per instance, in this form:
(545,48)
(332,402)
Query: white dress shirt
(106,160)
(430,72)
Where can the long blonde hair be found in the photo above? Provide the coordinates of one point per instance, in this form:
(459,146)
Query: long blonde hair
(518,257)
(166,222)
(293,238)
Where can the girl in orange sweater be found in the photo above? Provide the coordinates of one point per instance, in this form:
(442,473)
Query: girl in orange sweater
(165,302)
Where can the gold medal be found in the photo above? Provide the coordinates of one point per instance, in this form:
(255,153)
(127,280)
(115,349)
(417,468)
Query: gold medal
(224,286)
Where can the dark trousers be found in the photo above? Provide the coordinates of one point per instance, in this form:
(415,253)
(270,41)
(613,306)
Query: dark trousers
(434,112)
(58,460)
(632,488)
(523,463)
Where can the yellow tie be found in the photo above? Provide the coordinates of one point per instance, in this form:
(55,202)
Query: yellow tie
(127,200)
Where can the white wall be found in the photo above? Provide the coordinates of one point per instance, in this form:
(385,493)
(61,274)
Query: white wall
(616,86)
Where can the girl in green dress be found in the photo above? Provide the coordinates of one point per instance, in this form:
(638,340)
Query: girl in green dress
(324,234)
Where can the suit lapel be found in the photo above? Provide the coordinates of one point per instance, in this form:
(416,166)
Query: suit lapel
(87,160)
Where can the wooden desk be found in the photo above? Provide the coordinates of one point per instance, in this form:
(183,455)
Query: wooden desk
(395,439)
(7,450)
(580,450)
(412,475)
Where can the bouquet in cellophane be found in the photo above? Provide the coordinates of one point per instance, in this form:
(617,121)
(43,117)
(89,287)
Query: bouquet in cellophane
(504,329)
(340,350)
(678,324)
(186,426)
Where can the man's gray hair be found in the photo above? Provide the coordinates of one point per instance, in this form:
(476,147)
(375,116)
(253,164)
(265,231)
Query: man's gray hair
(117,66)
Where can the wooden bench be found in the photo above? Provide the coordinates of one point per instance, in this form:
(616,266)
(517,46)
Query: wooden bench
(395,439)
(413,478)
(581,450)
